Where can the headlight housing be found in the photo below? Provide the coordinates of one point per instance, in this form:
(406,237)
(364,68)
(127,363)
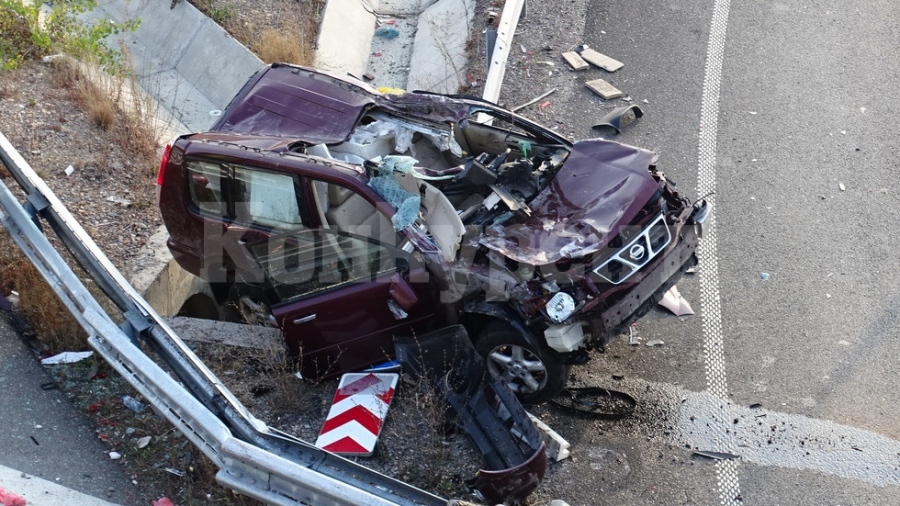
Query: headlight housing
(560,307)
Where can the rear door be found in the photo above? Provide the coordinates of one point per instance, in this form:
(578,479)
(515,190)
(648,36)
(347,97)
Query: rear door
(341,298)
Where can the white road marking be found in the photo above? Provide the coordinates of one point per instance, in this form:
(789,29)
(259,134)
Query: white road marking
(40,492)
(726,471)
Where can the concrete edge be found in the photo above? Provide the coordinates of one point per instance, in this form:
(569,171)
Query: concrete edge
(40,492)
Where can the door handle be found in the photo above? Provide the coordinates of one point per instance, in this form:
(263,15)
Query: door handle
(305,319)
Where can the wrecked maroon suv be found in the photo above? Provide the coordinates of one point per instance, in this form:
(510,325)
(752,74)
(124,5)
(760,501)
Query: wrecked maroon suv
(346,217)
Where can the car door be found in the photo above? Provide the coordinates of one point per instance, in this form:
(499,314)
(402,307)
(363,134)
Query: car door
(340,298)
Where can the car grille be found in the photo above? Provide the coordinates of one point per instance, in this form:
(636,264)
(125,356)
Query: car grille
(637,253)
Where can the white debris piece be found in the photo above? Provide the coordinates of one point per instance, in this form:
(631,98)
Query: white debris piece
(557,447)
(67,357)
(674,302)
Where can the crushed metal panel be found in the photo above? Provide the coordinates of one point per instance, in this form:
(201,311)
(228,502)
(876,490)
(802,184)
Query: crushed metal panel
(602,186)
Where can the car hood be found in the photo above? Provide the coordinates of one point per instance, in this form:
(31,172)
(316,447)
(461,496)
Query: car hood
(601,187)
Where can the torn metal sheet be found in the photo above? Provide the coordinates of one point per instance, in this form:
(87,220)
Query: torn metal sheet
(674,302)
(581,208)
(614,118)
(512,448)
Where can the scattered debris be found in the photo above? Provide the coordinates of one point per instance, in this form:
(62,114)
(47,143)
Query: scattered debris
(596,402)
(534,100)
(692,270)
(764,276)
(615,117)
(215,113)
(633,338)
(604,89)
(118,200)
(545,104)
(132,404)
(9,499)
(752,112)
(368,76)
(674,302)
(841,186)
(387,33)
(654,343)
(162,501)
(69,170)
(716,455)
(557,447)
(66,357)
(755,405)
(575,60)
(115,455)
(144,441)
(357,413)
(484,407)
(600,60)
(177,472)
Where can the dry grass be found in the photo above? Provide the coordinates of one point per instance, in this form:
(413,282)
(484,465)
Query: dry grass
(38,303)
(290,38)
(115,104)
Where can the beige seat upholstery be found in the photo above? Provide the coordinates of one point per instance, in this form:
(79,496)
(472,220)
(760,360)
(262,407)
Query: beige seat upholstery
(352,213)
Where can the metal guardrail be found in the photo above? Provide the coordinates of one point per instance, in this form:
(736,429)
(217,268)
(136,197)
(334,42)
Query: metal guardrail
(253,459)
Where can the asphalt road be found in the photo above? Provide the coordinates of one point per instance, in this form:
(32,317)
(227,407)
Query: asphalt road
(788,111)
(47,450)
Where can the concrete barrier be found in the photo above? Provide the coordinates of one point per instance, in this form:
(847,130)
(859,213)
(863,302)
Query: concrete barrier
(184,59)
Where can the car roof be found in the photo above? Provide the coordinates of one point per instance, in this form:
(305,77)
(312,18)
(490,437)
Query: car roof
(297,102)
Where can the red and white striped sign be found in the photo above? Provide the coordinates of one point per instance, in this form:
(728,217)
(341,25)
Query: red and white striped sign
(357,412)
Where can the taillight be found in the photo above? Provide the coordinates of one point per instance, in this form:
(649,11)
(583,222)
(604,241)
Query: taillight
(162,165)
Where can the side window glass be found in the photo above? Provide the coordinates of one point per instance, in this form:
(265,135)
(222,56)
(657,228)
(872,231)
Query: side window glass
(266,198)
(312,261)
(205,187)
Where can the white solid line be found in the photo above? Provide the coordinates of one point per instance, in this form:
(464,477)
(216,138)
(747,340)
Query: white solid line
(40,492)
(726,471)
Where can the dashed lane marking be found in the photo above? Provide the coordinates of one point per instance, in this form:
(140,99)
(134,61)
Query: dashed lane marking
(726,471)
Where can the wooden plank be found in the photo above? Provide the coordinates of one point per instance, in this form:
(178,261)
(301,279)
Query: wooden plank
(601,60)
(575,60)
(604,89)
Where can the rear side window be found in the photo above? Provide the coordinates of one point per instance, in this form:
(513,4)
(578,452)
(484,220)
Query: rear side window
(205,187)
(245,195)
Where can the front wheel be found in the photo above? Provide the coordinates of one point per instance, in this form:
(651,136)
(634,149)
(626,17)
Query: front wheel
(534,373)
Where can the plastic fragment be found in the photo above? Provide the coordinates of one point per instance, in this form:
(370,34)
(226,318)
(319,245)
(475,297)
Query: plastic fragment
(654,343)
(132,403)
(162,501)
(67,357)
(387,33)
(674,302)
(115,455)
(9,499)
(841,186)
(143,442)
(69,170)
(764,276)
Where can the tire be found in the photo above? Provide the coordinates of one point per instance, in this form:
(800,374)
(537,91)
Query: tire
(534,374)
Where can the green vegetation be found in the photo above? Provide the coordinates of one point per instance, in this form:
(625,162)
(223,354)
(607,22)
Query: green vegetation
(27,32)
